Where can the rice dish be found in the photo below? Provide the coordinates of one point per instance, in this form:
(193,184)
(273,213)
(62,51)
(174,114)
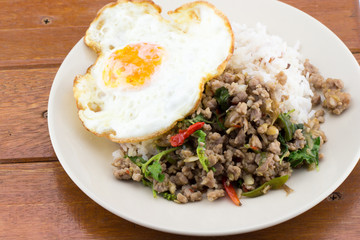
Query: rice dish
(254,126)
(258,53)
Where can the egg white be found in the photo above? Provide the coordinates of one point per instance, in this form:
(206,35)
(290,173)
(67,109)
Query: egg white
(195,49)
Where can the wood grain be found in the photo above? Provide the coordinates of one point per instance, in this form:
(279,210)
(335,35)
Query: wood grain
(37,46)
(38,200)
(23,100)
(33,14)
(342,17)
(28,41)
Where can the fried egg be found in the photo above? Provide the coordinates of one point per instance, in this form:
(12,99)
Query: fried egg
(150,71)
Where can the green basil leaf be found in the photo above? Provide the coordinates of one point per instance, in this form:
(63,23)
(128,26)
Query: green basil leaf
(155,171)
(287,126)
(139,161)
(309,154)
(197,118)
(222,97)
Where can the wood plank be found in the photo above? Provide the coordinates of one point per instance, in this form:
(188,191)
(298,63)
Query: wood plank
(23,100)
(33,14)
(37,46)
(39,201)
(81,12)
(28,42)
(342,17)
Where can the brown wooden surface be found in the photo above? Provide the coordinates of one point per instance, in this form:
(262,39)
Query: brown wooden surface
(39,201)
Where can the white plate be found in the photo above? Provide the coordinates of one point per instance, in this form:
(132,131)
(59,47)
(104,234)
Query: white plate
(87,159)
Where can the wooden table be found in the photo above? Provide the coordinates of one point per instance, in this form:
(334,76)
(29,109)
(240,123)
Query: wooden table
(37,198)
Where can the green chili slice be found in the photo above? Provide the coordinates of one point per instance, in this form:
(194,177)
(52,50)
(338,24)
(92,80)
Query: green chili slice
(274,183)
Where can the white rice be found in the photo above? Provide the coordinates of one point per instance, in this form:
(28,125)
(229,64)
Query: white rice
(254,48)
(259,53)
(144,149)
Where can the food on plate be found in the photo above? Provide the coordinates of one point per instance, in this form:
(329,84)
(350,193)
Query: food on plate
(256,124)
(150,72)
(202,108)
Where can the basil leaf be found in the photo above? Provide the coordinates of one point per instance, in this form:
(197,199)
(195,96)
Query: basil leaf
(284,147)
(198,118)
(155,170)
(222,97)
(309,154)
(139,161)
(287,126)
(298,126)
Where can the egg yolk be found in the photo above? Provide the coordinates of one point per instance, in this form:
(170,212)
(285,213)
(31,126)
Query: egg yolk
(132,65)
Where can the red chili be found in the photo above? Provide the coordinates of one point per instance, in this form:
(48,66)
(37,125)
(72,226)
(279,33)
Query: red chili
(254,148)
(231,192)
(178,139)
